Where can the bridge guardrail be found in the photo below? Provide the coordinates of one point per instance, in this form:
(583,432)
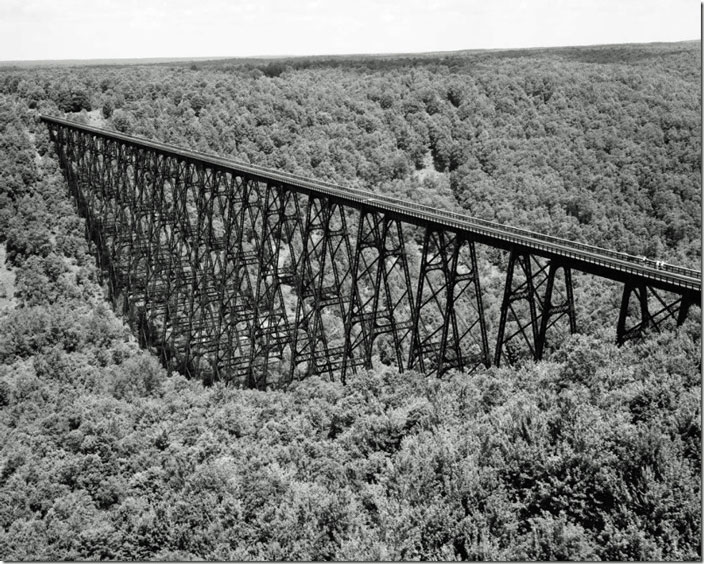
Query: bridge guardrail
(595,254)
(531,236)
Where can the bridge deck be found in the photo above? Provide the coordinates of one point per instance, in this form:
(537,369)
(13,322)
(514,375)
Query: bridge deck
(587,258)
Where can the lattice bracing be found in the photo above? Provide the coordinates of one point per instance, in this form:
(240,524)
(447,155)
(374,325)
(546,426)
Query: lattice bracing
(535,299)
(649,309)
(448,307)
(257,277)
(381,301)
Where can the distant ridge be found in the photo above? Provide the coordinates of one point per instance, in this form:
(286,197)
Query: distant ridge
(101,62)
(509,51)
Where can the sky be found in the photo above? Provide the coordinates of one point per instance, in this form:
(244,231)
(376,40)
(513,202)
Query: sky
(100,29)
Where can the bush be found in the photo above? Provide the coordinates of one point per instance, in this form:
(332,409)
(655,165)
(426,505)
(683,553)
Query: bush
(108,109)
(73,101)
(122,122)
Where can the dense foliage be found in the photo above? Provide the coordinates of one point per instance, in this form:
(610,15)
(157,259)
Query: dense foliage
(594,454)
(602,146)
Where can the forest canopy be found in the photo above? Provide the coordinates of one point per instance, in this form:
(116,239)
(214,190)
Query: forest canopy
(600,144)
(592,454)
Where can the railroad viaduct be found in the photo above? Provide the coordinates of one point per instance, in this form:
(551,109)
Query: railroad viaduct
(236,272)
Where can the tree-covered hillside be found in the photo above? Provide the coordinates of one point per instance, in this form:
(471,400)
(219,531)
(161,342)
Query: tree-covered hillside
(603,146)
(593,454)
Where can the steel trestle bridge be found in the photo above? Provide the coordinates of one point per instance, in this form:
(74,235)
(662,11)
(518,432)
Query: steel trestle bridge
(237,272)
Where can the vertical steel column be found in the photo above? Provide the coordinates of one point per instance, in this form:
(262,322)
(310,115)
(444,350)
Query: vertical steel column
(226,197)
(169,262)
(206,296)
(555,311)
(247,272)
(416,352)
(335,286)
(141,252)
(380,299)
(294,271)
(185,280)
(159,275)
(524,291)
(271,332)
(640,290)
(449,321)
(687,301)
(397,272)
(445,288)
(670,311)
(467,313)
(367,228)
(235,314)
(326,251)
(309,289)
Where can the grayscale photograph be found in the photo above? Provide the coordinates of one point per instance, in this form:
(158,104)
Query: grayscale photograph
(350,280)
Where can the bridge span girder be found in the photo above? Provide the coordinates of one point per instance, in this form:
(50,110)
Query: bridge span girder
(237,274)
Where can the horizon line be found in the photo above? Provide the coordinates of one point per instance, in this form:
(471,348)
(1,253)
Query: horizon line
(157,59)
